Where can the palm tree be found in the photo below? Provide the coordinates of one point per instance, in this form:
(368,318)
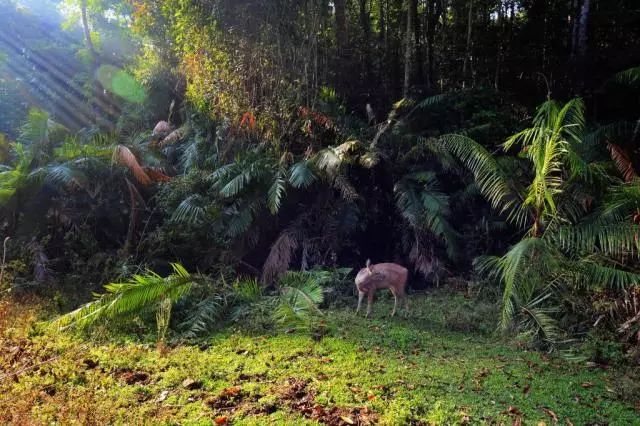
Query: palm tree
(563,248)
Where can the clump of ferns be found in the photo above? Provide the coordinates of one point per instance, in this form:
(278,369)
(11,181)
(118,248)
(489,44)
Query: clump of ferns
(294,304)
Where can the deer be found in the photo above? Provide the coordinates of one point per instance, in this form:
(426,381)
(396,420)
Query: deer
(379,276)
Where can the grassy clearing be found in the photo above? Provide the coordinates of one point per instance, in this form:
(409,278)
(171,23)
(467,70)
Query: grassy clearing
(382,371)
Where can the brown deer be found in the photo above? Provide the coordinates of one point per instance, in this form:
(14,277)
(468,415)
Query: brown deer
(378,276)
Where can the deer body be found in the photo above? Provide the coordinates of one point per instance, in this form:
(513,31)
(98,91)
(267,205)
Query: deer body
(379,276)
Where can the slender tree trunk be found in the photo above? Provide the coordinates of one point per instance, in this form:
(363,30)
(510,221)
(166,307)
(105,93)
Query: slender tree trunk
(417,30)
(382,44)
(467,56)
(499,53)
(443,39)
(434,10)
(574,29)
(582,32)
(94,59)
(581,47)
(409,52)
(396,42)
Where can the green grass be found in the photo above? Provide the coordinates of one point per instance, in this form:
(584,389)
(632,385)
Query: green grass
(404,371)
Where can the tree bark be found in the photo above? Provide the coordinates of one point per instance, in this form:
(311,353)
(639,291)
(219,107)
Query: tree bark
(582,32)
(417,31)
(409,52)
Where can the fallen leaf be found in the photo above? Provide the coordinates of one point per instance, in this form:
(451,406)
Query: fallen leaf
(587,385)
(371,397)
(527,389)
(221,420)
(232,391)
(348,420)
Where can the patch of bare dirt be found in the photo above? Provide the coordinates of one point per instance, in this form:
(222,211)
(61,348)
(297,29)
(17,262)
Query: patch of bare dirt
(298,397)
(132,377)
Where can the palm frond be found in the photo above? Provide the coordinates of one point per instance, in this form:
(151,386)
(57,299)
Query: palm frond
(624,164)
(123,156)
(189,210)
(204,316)
(630,76)
(240,219)
(490,178)
(65,176)
(522,271)
(301,175)
(130,297)
(276,192)
(300,295)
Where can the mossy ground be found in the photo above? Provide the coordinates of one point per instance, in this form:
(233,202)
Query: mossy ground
(385,371)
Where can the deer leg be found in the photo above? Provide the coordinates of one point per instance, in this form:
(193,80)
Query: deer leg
(360,297)
(369,303)
(395,302)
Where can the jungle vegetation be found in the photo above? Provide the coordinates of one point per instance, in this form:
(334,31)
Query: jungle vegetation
(222,160)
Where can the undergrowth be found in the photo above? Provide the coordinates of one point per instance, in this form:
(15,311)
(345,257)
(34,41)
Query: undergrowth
(428,369)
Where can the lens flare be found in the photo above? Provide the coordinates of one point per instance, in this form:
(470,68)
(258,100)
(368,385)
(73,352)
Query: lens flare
(121,83)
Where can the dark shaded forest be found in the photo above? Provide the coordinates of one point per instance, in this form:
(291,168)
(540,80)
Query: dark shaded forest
(223,162)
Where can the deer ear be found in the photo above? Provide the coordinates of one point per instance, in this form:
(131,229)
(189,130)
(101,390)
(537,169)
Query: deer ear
(369,269)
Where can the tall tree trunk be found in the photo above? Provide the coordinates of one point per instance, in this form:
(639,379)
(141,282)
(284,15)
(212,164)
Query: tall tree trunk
(501,36)
(382,44)
(95,63)
(417,30)
(434,10)
(581,47)
(574,29)
(467,55)
(409,48)
(396,42)
(582,32)
(443,39)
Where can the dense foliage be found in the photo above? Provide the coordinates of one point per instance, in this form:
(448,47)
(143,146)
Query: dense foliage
(246,138)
